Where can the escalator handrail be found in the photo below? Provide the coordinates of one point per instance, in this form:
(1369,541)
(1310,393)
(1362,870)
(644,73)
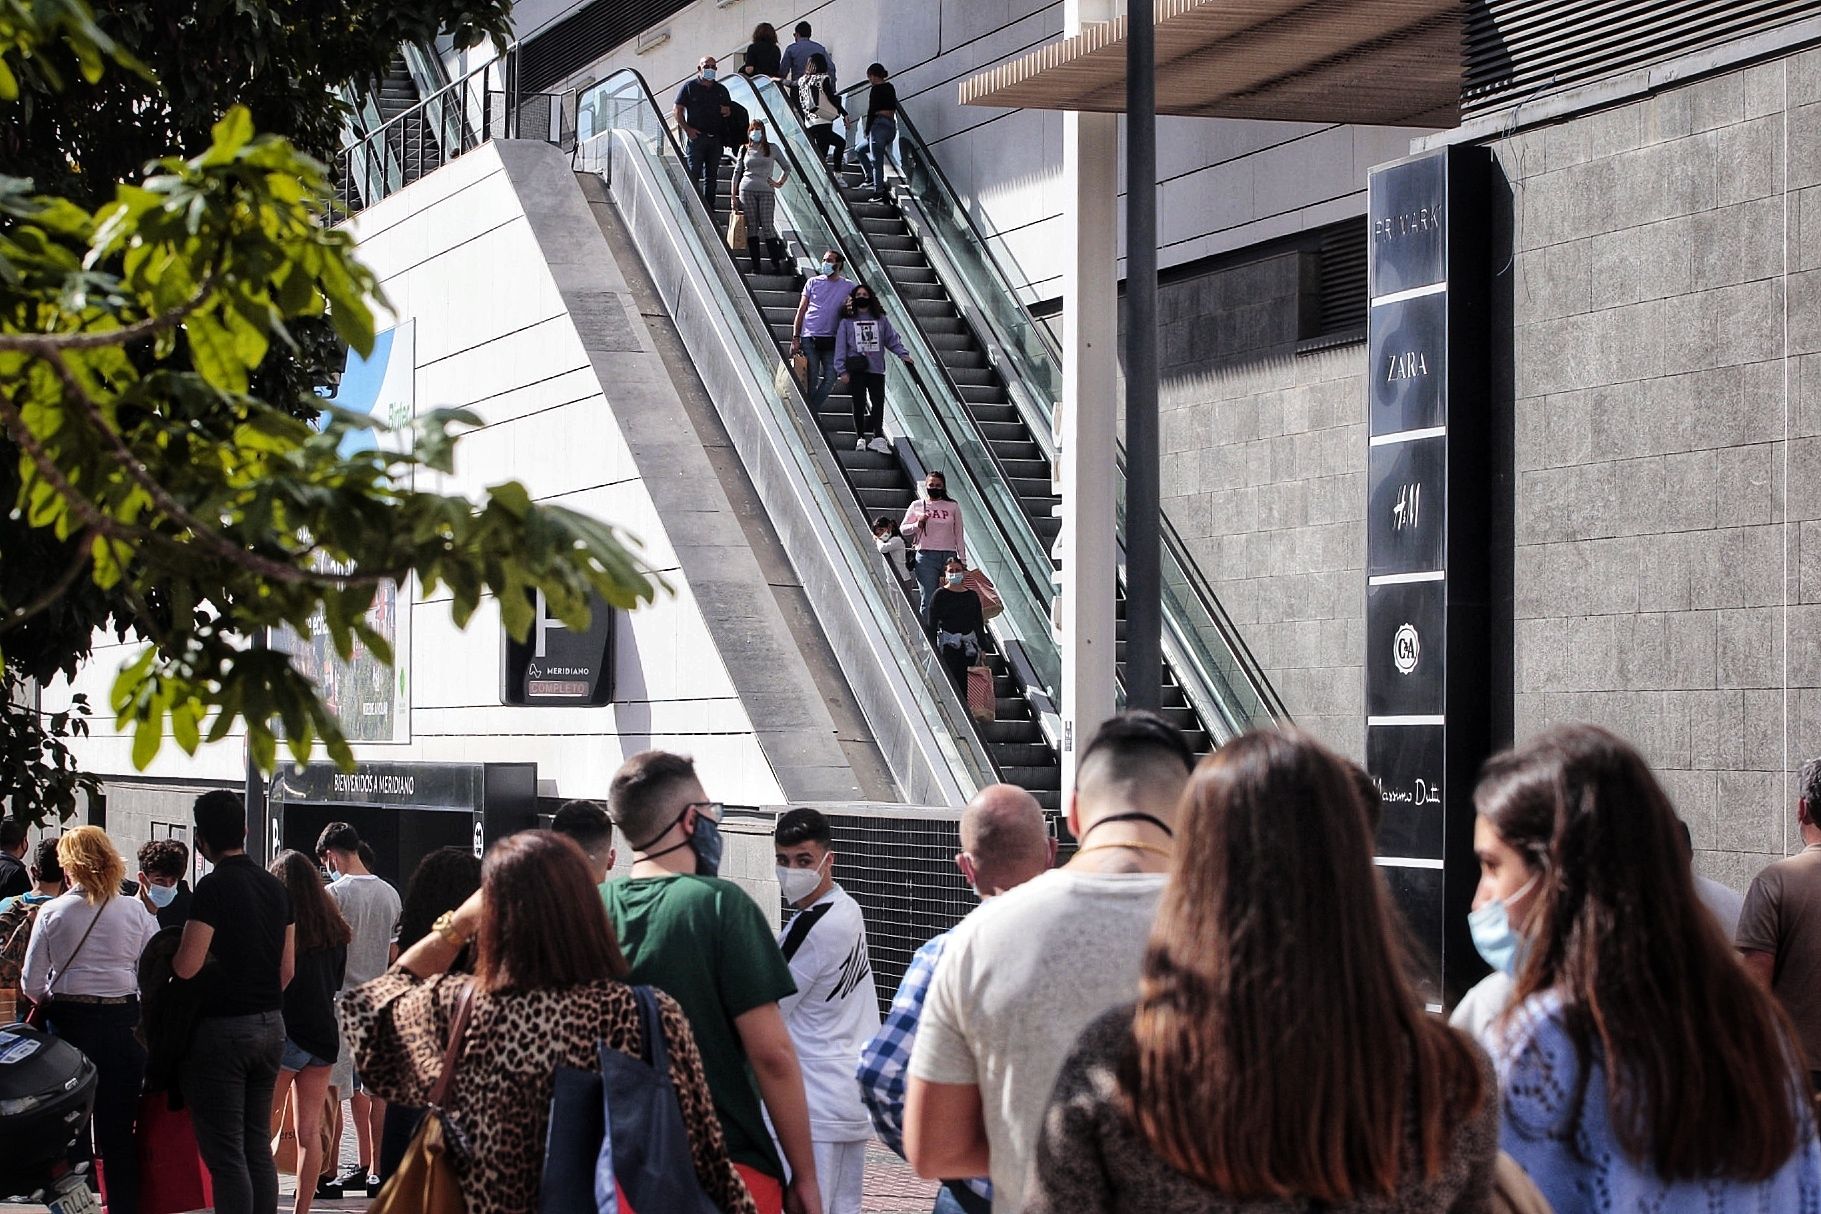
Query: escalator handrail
(1253,673)
(967,762)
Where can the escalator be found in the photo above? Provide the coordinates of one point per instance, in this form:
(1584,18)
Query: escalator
(641,164)
(1004,370)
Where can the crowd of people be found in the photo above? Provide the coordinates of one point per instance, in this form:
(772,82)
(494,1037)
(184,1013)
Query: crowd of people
(1208,1007)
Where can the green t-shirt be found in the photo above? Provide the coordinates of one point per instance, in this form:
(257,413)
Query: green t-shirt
(703,942)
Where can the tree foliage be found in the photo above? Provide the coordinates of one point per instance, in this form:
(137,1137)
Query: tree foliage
(194,511)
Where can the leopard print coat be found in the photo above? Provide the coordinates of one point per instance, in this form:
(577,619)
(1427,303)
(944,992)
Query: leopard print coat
(499,1107)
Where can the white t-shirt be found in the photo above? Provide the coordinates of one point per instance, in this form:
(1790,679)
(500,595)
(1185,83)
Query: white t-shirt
(834,1013)
(1021,977)
(371,908)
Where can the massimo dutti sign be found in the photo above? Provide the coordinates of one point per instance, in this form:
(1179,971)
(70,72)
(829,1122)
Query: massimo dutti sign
(1427,539)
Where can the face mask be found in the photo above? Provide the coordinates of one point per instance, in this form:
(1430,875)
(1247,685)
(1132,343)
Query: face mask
(829,268)
(161,895)
(708,73)
(955,579)
(334,873)
(797,884)
(935,493)
(1498,942)
(756,135)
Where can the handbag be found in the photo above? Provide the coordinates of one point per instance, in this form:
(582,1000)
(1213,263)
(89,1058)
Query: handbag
(425,1182)
(652,1161)
(991,605)
(736,232)
(982,695)
(40,1012)
(172,1175)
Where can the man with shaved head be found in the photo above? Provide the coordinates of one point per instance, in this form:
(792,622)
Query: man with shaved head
(1004,843)
(1024,974)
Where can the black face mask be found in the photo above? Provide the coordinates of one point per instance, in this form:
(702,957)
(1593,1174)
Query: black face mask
(936,493)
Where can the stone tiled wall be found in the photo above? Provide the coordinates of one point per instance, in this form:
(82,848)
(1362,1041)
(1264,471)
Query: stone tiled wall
(1264,456)
(1668,443)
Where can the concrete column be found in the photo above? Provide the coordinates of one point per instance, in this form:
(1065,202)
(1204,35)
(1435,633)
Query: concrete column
(1089,428)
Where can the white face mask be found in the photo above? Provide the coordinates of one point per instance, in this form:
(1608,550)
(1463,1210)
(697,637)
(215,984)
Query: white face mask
(797,884)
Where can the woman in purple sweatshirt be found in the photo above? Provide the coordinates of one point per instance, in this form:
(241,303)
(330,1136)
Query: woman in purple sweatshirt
(861,340)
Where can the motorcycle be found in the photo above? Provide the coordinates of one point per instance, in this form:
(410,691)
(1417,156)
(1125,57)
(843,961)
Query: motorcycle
(47,1093)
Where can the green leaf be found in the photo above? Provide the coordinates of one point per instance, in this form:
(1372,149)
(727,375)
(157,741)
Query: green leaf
(147,738)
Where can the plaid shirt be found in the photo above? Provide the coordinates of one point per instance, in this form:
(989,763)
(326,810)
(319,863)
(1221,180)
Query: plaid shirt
(886,1058)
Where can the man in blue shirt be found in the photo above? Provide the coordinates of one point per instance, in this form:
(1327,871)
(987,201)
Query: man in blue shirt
(1004,843)
(796,60)
(702,107)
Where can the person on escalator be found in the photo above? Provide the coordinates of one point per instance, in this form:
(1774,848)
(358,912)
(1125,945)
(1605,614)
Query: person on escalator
(860,345)
(812,333)
(878,130)
(820,106)
(933,523)
(764,57)
(756,177)
(955,619)
(795,64)
(891,547)
(702,108)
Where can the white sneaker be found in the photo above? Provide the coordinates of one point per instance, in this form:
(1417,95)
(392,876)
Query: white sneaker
(860,444)
(882,445)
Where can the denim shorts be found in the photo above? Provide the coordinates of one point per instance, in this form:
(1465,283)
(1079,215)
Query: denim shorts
(296,1058)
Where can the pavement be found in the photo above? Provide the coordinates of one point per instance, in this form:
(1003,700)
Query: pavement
(891,1188)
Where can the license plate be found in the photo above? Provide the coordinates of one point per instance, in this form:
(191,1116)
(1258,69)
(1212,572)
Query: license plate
(76,1201)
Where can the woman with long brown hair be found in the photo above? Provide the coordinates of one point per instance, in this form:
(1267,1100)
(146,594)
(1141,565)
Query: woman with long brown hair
(549,990)
(312,1041)
(1276,1058)
(1642,1069)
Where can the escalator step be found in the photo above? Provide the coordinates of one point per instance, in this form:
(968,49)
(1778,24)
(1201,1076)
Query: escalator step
(1019,732)
(994,412)
(974,377)
(942,325)
(900,260)
(901,244)
(1031,470)
(1021,450)
(997,430)
(1049,798)
(1033,489)
(932,308)
(924,290)
(983,394)
(1033,778)
(965,360)
(910,275)
(1023,754)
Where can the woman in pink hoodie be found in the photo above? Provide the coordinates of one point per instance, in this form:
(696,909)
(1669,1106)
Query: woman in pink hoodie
(933,523)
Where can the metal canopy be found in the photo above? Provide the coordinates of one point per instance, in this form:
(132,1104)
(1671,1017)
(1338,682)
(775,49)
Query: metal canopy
(1373,62)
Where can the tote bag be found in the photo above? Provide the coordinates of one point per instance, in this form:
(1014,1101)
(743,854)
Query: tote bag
(982,697)
(991,605)
(425,1182)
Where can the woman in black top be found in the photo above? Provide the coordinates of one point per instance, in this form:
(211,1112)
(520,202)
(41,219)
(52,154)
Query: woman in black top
(763,55)
(879,129)
(956,620)
(312,1039)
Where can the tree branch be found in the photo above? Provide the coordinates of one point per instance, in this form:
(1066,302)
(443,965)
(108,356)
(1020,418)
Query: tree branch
(45,344)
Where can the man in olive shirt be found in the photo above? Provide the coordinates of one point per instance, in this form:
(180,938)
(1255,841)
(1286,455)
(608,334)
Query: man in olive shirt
(704,942)
(1780,927)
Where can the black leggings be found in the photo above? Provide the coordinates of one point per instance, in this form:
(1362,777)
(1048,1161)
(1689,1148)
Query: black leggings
(826,138)
(868,419)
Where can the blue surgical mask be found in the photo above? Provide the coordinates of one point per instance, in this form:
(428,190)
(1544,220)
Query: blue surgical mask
(708,73)
(829,268)
(161,895)
(1499,943)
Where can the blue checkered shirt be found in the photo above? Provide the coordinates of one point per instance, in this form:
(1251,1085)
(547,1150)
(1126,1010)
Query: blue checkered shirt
(886,1058)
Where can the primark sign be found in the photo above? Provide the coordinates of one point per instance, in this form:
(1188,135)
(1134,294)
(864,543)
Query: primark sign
(1428,542)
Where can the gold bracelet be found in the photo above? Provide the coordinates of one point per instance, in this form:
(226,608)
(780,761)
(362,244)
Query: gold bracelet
(444,926)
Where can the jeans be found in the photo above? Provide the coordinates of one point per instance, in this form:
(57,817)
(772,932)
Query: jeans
(705,167)
(868,418)
(227,1081)
(107,1034)
(395,1137)
(822,370)
(880,136)
(929,578)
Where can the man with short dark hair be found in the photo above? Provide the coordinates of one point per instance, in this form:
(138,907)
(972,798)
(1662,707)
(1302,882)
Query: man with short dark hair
(14,880)
(1005,842)
(1779,934)
(836,1007)
(1024,974)
(162,889)
(704,942)
(371,907)
(702,109)
(241,919)
(795,63)
(587,823)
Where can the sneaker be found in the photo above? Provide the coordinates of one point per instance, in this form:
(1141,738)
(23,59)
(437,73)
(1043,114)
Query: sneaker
(352,1175)
(372,1186)
(882,445)
(329,1190)
(860,443)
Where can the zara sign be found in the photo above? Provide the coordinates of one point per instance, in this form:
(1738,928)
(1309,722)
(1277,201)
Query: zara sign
(1429,610)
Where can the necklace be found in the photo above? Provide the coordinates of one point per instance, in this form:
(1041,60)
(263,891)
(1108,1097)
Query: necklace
(1134,844)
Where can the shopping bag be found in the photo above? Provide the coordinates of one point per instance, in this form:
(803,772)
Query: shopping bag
(982,695)
(172,1175)
(284,1142)
(736,232)
(991,605)
(425,1182)
(651,1160)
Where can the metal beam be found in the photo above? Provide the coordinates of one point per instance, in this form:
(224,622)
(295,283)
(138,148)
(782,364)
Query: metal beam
(1143,528)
